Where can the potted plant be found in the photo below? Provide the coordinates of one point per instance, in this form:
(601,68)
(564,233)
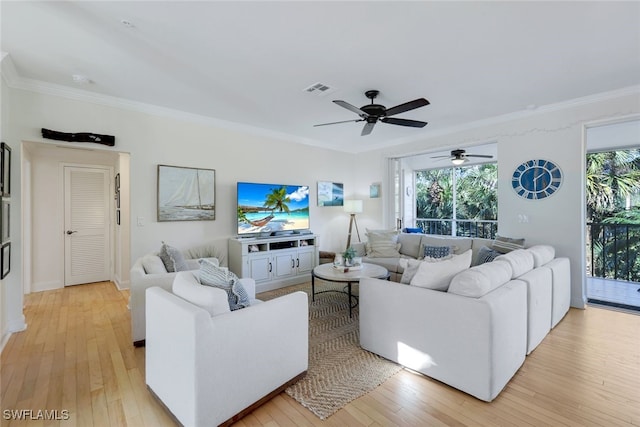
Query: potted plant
(348,256)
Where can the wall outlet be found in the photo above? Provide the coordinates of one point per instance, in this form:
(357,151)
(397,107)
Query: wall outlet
(140,221)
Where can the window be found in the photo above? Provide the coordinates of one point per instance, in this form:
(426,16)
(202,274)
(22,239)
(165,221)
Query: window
(458,201)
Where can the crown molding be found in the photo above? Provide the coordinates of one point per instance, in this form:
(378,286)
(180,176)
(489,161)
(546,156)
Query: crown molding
(14,80)
(517,115)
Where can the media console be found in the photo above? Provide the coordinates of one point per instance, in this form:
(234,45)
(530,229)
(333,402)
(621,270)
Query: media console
(274,262)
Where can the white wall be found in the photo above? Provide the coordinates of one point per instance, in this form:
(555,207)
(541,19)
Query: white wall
(152,140)
(555,134)
(11,292)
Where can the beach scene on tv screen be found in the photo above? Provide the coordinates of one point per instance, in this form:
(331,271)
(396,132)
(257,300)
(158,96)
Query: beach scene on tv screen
(271,207)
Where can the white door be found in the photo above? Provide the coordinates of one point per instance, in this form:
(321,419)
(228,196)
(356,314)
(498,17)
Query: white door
(86,248)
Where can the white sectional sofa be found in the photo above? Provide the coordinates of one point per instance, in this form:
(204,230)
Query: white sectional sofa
(209,365)
(476,334)
(149,271)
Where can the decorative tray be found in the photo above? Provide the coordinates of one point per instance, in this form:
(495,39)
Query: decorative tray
(344,269)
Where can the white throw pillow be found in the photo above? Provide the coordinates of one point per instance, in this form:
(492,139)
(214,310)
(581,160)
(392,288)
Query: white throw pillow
(438,275)
(214,300)
(152,264)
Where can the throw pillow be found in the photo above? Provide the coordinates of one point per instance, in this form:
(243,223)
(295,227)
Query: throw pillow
(221,277)
(506,244)
(486,254)
(437,252)
(172,258)
(438,275)
(382,244)
(410,267)
(152,264)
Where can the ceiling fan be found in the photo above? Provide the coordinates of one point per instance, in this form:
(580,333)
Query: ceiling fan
(459,157)
(371,113)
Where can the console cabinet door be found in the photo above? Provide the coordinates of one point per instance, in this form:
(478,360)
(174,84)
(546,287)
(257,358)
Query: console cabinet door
(260,268)
(305,261)
(284,264)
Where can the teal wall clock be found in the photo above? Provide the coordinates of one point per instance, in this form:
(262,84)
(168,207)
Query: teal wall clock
(536,179)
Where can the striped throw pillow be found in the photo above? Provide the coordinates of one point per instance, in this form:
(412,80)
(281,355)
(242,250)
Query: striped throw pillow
(506,244)
(221,277)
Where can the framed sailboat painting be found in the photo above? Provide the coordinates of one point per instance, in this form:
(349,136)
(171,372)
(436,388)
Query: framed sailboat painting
(186,194)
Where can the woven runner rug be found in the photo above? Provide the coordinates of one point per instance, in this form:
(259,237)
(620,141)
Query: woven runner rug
(339,369)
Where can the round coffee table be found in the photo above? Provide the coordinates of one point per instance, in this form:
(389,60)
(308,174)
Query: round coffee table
(331,274)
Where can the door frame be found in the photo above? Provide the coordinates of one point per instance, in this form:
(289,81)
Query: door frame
(61,213)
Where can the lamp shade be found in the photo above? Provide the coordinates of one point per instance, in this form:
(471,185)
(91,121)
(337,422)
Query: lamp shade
(353,206)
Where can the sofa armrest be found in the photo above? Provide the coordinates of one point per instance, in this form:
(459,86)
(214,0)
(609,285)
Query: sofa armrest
(473,344)
(207,369)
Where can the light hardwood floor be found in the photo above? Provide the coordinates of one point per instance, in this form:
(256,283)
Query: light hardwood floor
(76,356)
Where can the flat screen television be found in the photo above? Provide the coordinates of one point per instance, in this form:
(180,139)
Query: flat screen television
(271,208)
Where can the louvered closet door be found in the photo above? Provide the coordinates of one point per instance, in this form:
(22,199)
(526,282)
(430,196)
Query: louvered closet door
(86,194)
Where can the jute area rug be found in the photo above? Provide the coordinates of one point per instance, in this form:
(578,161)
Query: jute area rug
(339,369)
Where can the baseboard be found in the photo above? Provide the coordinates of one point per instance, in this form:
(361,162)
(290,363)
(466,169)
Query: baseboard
(122,284)
(17,325)
(609,304)
(46,286)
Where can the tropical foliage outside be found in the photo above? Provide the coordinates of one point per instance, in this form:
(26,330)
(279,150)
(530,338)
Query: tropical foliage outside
(475,195)
(613,214)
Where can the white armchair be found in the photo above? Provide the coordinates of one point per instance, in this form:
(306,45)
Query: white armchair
(209,370)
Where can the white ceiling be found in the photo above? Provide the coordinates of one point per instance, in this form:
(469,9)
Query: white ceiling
(246,64)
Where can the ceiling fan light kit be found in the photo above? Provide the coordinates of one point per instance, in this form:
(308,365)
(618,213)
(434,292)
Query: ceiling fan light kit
(371,113)
(459,157)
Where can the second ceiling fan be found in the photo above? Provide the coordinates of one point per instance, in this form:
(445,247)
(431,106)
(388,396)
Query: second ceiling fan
(459,157)
(371,113)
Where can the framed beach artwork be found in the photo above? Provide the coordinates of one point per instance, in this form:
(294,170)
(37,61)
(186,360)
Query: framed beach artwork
(374,190)
(186,194)
(330,193)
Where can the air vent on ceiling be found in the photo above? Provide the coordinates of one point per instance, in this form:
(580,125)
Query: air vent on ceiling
(319,89)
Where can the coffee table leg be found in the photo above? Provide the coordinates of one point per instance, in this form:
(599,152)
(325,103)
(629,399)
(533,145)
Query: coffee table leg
(349,286)
(313,287)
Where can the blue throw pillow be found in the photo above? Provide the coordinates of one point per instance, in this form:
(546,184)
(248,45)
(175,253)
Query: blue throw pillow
(219,277)
(486,254)
(437,251)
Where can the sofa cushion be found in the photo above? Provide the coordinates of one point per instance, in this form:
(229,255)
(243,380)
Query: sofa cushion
(390,263)
(214,300)
(542,254)
(409,244)
(152,264)
(480,280)
(194,264)
(504,244)
(521,261)
(486,254)
(437,275)
(172,258)
(409,268)
(221,277)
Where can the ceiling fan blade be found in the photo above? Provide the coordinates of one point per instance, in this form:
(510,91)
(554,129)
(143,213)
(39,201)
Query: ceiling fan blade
(416,103)
(403,122)
(368,127)
(343,121)
(484,156)
(441,157)
(350,107)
